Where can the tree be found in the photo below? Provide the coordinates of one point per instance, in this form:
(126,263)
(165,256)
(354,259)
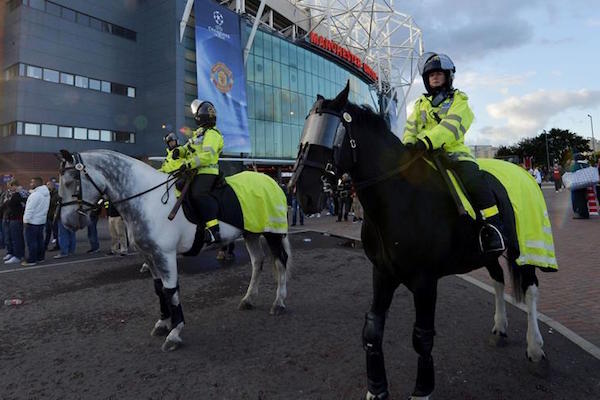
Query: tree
(562,143)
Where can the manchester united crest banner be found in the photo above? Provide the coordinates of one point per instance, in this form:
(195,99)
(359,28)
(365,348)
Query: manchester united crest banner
(220,72)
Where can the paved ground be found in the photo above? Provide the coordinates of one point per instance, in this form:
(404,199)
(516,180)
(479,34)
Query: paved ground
(569,296)
(83,334)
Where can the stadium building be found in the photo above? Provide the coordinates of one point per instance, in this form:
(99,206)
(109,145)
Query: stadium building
(120,74)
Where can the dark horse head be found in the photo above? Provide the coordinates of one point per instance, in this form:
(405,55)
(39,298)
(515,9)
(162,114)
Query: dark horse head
(329,147)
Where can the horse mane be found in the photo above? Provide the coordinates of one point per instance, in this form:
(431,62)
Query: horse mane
(120,156)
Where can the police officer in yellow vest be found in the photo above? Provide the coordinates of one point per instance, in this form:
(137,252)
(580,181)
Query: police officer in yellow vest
(174,159)
(440,120)
(202,153)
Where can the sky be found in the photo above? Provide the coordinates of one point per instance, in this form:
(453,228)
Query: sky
(526,65)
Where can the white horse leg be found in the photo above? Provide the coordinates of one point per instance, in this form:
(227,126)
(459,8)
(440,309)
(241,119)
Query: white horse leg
(171,293)
(500,320)
(257,258)
(534,337)
(281,277)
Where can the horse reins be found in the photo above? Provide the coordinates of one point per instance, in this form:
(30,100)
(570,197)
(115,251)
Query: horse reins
(80,167)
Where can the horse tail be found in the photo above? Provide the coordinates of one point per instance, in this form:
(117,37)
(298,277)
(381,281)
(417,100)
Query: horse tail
(280,248)
(516,277)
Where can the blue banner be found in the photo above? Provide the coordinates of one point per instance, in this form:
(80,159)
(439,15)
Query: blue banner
(220,72)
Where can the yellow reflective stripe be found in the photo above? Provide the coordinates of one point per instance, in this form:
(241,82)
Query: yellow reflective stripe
(462,129)
(451,128)
(212,222)
(545,260)
(539,244)
(547,230)
(454,117)
(209,149)
(411,130)
(489,212)
(423,116)
(197,160)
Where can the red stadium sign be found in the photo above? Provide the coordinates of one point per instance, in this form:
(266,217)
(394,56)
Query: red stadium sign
(343,53)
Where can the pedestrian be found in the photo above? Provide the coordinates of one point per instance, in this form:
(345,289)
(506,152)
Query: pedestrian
(118,232)
(538,176)
(358,209)
(34,219)
(296,209)
(12,213)
(92,231)
(344,199)
(67,241)
(3,192)
(557,178)
(579,196)
(51,226)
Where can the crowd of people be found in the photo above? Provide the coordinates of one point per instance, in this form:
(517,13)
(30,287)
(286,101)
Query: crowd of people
(31,225)
(338,200)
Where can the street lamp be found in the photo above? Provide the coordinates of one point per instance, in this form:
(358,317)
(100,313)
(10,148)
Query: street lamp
(547,152)
(593,140)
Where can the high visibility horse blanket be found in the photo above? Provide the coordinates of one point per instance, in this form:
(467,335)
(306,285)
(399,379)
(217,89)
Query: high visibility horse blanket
(263,203)
(534,233)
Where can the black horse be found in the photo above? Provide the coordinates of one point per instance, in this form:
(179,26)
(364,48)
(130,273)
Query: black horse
(412,232)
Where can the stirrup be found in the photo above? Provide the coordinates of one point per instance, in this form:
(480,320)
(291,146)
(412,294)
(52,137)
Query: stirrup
(211,237)
(486,229)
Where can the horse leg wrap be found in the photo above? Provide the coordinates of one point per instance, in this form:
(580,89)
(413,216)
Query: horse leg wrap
(165,311)
(372,341)
(423,344)
(172,299)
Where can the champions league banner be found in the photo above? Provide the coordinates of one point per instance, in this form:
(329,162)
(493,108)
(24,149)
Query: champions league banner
(220,72)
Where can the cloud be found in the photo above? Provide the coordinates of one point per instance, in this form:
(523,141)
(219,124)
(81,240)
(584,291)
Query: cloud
(593,22)
(525,116)
(473,80)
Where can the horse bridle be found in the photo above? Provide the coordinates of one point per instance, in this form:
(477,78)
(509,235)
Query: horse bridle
(334,142)
(79,167)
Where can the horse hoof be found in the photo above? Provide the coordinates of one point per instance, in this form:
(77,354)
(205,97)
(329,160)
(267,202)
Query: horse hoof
(159,331)
(170,345)
(418,398)
(536,356)
(498,340)
(540,369)
(380,396)
(245,305)
(277,310)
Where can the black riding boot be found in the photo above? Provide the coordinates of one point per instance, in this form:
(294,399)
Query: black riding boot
(212,235)
(491,239)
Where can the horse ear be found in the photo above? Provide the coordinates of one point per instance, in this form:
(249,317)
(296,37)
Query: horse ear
(66,156)
(319,97)
(342,98)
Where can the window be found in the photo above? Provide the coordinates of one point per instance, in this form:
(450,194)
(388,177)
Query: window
(51,75)
(34,72)
(53,9)
(93,134)
(37,4)
(68,14)
(94,84)
(32,129)
(105,136)
(106,27)
(49,130)
(65,132)
(106,87)
(67,79)
(119,89)
(19,128)
(124,137)
(80,133)
(83,19)
(81,81)
(131,92)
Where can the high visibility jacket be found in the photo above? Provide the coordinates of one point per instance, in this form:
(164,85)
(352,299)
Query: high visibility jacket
(173,161)
(443,126)
(202,151)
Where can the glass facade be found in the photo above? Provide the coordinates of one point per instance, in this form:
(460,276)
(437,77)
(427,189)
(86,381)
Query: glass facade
(282,81)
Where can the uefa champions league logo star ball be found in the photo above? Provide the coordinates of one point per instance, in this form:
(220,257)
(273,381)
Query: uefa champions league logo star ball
(218,17)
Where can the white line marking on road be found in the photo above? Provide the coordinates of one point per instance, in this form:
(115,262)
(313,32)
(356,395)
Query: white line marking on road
(557,326)
(22,269)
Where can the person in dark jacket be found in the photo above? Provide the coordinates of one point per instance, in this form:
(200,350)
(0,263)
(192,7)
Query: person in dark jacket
(344,191)
(12,210)
(67,241)
(579,196)
(51,223)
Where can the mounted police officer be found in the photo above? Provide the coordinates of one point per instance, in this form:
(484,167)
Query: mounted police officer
(175,157)
(202,153)
(440,120)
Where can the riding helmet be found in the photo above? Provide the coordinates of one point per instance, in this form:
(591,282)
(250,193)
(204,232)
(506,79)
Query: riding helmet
(204,113)
(430,62)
